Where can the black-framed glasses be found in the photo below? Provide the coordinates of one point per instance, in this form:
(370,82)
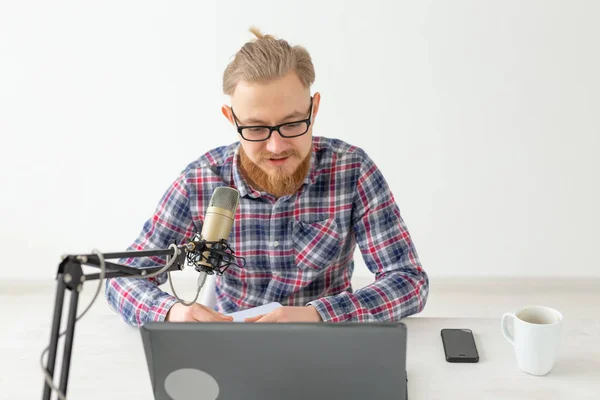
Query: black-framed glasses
(260,133)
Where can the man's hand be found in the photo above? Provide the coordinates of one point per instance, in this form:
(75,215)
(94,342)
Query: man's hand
(195,313)
(289,314)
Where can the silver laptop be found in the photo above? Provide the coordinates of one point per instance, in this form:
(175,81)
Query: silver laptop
(225,361)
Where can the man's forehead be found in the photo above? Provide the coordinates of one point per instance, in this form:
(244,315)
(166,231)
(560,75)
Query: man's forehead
(270,109)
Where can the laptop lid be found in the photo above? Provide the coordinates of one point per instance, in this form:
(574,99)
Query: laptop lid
(297,361)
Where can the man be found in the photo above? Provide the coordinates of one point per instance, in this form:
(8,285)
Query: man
(305,202)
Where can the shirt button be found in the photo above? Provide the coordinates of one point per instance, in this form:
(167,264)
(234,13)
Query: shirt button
(275,243)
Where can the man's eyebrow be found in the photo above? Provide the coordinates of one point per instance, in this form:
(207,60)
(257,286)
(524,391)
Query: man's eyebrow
(256,121)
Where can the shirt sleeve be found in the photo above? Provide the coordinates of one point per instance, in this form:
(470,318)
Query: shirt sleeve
(401,285)
(140,300)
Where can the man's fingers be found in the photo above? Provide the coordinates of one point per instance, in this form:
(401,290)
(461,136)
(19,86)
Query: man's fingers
(221,318)
(210,310)
(206,314)
(213,318)
(255,318)
(216,313)
(270,317)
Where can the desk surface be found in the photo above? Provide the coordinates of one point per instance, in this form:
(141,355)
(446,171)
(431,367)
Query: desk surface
(108,358)
(106,351)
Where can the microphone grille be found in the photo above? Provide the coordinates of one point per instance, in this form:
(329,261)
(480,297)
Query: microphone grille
(226,198)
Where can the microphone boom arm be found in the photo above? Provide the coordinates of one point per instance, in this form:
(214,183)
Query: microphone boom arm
(70,277)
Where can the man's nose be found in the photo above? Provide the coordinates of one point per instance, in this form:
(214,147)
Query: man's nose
(276,143)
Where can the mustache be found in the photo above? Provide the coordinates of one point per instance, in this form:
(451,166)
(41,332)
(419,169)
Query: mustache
(267,155)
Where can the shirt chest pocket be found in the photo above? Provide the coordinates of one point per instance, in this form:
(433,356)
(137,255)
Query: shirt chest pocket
(316,244)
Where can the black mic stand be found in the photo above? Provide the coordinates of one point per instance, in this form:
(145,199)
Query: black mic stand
(70,277)
(208,257)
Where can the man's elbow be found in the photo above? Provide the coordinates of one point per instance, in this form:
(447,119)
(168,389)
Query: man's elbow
(419,291)
(422,287)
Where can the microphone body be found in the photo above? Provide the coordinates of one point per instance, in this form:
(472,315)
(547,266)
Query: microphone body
(217,226)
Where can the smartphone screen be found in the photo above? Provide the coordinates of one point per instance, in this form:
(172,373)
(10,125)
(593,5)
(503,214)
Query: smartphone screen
(459,345)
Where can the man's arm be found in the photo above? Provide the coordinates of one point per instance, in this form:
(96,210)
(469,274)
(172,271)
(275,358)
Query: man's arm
(401,285)
(140,300)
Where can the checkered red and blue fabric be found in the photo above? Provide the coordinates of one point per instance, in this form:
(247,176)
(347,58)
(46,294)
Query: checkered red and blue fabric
(298,248)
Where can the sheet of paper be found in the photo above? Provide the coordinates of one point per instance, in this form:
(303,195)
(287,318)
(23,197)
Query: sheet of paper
(239,316)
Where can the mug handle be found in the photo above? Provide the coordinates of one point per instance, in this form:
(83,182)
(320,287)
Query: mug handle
(504,327)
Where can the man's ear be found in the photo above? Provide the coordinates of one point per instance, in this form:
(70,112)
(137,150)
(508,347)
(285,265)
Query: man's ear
(316,102)
(226,110)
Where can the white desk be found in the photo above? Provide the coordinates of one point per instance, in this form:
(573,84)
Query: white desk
(108,358)
(576,374)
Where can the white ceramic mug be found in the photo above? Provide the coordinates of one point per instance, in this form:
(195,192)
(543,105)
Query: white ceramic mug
(536,337)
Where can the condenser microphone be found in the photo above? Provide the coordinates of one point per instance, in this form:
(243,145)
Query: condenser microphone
(217,226)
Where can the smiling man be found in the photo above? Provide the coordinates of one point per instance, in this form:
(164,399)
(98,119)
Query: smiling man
(305,203)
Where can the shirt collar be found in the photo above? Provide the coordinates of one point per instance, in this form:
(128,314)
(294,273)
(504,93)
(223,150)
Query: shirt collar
(238,179)
(311,176)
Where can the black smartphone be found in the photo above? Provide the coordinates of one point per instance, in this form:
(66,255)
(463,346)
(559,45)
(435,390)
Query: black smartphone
(459,346)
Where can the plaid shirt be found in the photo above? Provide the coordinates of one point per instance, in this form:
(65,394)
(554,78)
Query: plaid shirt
(298,248)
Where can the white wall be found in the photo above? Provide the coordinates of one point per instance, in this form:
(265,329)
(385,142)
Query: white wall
(483,117)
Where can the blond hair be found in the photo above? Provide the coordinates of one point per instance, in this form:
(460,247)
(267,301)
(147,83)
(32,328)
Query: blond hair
(266,58)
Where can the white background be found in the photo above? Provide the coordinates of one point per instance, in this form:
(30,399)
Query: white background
(483,116)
